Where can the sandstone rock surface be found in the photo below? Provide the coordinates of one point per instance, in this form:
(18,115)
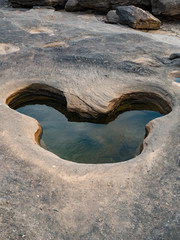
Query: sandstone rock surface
(93,66)
(137,18)
(166,8)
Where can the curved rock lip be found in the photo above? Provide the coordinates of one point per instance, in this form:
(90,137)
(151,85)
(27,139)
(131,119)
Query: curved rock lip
(127,102)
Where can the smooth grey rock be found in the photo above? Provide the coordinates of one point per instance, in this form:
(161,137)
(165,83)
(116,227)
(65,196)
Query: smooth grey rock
(30,3)
(72,6)
(94,65)
(170,8)
(137,18)
(112,17)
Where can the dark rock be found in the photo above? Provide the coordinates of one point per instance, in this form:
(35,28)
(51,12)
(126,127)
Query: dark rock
(30,3)
(169,8)
(72,6)
(139,3)
(112,17)
(96,4)
(106,5)
(174,56)
(137,18)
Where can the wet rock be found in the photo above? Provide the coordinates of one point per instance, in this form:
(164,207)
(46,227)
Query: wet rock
(137,18)
(112,17)
(30,3)
(72,6)
(166,8)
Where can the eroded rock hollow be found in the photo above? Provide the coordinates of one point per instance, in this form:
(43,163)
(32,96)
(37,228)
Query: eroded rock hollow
(92,68)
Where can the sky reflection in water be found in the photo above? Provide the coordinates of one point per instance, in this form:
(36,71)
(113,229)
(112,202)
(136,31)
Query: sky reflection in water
(85,142)
(177,80)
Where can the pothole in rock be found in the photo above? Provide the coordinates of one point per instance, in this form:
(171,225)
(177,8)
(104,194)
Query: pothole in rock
(6,48)
(39,30)
(175,76)
(177,79)
(109,138)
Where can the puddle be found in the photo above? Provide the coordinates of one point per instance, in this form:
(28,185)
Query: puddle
(86,142)
(177,80)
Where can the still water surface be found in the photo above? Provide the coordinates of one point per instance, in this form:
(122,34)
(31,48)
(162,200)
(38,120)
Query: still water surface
(86,142)
(177,80)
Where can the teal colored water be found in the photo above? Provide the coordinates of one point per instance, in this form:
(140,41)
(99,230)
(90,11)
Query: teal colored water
(86,142)
(177,80)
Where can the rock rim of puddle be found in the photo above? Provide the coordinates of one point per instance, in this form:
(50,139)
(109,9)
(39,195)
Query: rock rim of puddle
(94,65)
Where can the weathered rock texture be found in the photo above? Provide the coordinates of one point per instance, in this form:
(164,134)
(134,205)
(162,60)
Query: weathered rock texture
(159,7)
(30,3)
(174,56)
(166,7)
(101,5)
(105,5)
(112,17)
(94,66)
(72,6)
(137,18)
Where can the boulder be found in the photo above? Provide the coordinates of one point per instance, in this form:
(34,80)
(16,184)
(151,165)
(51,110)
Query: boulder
(146,4)
(106,5)
(137,18)
(30,3)
(100,5)
(72,6)
(169,8)
(112,17)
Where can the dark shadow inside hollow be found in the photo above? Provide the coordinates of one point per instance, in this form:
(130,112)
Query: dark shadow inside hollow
(45,94)
(103,138)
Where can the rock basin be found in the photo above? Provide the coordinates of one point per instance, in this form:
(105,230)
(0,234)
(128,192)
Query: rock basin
(94,67)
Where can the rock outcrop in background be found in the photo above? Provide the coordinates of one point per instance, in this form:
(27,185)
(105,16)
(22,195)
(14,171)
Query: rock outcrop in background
(159,7)
(30,3)
(137,18)
(169,8)
(106,5)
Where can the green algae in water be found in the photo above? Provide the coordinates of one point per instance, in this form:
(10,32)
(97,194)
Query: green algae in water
(86,142)
(177,80)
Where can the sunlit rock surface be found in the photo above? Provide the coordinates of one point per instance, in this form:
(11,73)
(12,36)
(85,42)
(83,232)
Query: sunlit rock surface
(93,65)
(137,18)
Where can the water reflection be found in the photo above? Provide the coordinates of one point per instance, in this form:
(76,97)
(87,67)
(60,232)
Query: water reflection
(177,80)
(86,142)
